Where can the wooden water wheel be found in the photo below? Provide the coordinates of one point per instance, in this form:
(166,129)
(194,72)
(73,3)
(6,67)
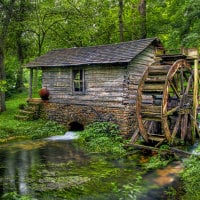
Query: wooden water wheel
(164,106)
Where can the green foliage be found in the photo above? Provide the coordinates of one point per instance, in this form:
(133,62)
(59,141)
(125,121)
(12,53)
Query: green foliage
(198,117)
(12,129)
(48,128)
(11,65)
(101,129)
(156,161)
(130,191)
(3,86)
(164,147)
(191,177)
(15,196)
(102,137)
(171,193)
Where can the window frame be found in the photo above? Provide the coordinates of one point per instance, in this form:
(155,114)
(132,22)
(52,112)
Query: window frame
(80,81)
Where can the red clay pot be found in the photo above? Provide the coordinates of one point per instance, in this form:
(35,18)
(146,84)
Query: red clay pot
(44,94)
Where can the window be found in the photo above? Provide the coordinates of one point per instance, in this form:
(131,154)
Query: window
(78,81)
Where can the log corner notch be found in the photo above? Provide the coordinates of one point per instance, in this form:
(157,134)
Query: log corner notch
(171,115)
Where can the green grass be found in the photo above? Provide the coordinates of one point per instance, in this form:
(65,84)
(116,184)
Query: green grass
(190,177)
(12,129)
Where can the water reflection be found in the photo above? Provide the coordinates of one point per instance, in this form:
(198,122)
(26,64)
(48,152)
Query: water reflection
(38,167)
(17,160)
(167,175)
(15,169)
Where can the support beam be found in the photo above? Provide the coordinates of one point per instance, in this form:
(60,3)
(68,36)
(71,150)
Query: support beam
(195,95)
(31,84)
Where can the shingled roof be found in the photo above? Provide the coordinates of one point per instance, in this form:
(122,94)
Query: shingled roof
(105,54)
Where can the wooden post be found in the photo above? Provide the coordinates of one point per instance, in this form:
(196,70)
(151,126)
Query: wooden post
(31,83)
(195,95)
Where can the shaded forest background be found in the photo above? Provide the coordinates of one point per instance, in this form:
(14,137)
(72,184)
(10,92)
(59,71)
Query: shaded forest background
(30,28)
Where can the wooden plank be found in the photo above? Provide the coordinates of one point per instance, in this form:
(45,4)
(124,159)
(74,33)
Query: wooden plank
(156,79)
(153,87)
(31,84)
(135,136)
(151,118)
(142,147)
(100,90)
(159,69)
(150,108)
(156,138)
(195,97)
(151,114)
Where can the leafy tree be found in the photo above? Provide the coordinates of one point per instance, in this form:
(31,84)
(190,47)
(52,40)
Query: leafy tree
(190,30)
(16,42)
(21,15)
(174,22)
(6,9)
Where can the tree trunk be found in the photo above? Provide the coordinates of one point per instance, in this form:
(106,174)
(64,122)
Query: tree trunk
(142,11)
(19,82)
(2,78)
(121,25)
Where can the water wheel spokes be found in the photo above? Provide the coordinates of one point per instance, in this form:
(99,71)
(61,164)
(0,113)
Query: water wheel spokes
(165,102)
(177,103)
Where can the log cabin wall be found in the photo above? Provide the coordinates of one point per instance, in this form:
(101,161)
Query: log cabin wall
(109,92)
(103,85)
(135,71)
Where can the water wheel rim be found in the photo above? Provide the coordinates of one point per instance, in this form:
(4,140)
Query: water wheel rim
(172,70)
(143,131)
(181,118)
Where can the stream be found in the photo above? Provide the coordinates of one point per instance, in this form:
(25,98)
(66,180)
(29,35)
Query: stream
(57,168)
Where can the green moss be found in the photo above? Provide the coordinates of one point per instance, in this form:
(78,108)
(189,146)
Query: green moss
(72,180)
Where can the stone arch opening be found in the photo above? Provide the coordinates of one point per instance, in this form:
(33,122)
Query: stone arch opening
(75,126)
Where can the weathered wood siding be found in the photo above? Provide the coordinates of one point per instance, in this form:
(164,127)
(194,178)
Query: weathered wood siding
(135,72)
(110,93)
(103,85)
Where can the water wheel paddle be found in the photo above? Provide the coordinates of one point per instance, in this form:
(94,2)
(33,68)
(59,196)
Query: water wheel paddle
(164,104)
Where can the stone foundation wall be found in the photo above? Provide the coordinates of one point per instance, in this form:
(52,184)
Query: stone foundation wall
(84,114)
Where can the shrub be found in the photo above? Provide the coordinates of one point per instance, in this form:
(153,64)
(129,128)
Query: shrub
(102,137)
(191,177)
